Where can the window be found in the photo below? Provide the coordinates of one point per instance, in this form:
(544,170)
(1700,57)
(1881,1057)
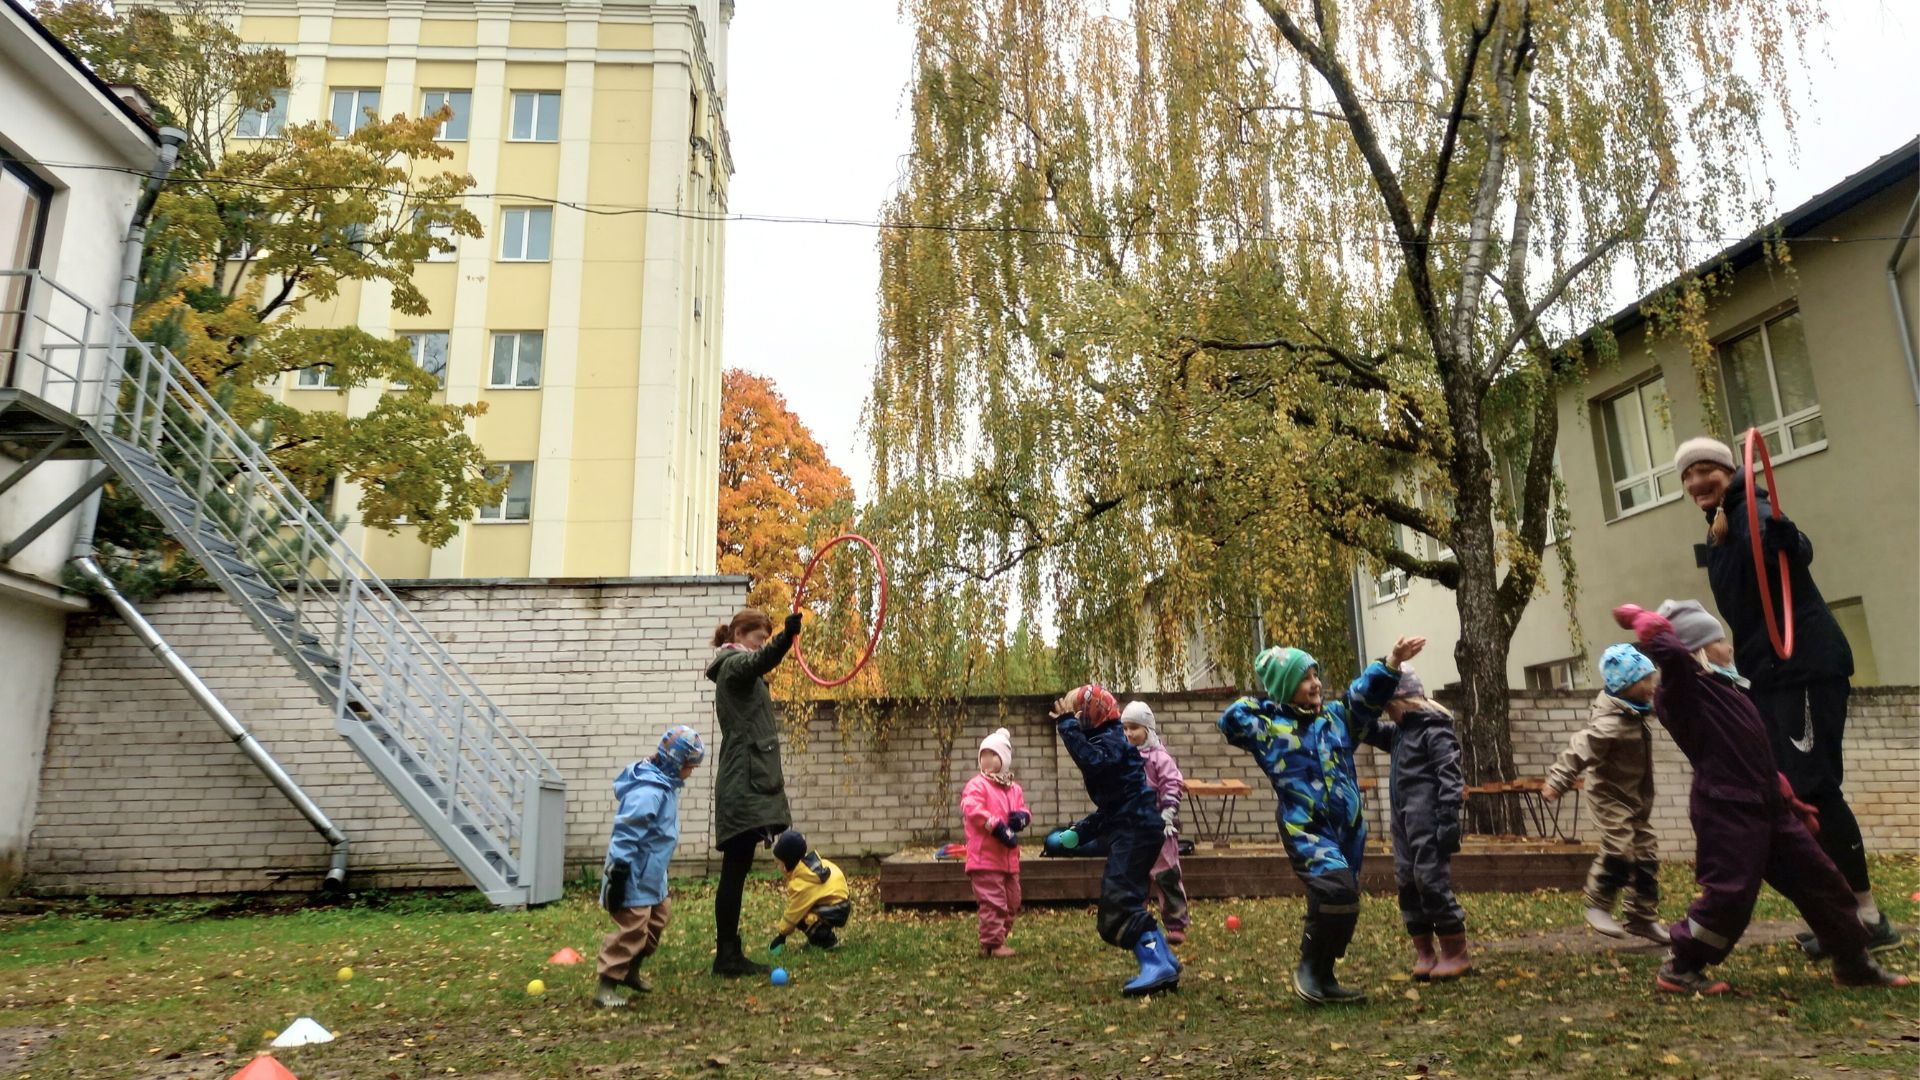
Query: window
(23,225)
(455,127)
(1558,675)
(317,377)
(354,109)
(516,503)
(1513,479)
(536,116)
(1639,447)
(429,352)
(516,360)
(255,124)
(1389,582)
(1769,383)
(526,234)
(1851,614)
(441,233)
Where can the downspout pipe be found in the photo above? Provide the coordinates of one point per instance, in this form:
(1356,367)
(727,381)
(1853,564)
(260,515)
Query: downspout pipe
(242,738)
(1899,307)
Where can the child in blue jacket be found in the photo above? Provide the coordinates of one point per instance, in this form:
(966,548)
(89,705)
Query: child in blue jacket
(634,887)
(1305,746)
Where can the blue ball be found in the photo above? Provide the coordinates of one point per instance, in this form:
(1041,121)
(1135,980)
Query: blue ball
(779,976)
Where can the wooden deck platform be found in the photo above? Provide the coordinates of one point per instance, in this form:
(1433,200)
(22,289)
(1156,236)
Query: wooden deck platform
(914,878)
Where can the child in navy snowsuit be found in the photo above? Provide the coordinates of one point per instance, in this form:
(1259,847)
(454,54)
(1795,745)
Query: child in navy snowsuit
(1427,793)
(1306,749)
(633,888)
(1749,827)
(1126,816)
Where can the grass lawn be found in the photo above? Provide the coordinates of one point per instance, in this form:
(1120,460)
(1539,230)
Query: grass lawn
(179,991)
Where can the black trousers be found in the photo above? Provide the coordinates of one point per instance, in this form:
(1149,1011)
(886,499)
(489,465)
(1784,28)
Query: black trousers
(736,858)
(1808,726)
(1333,911)
(1123,887)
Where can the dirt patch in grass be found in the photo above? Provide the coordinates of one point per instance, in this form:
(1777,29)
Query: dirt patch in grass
(18,1045)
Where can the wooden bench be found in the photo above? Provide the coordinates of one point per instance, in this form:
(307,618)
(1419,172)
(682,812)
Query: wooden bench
(1530,793)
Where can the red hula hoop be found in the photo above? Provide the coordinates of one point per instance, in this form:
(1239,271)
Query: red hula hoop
(1782,635)
(880,618)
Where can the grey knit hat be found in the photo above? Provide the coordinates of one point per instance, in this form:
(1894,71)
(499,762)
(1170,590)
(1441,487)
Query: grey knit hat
(1692,624)
(1705,449)
(1410,683)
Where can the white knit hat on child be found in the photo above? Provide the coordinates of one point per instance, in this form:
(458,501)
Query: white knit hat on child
(1001,743)
(1140,714)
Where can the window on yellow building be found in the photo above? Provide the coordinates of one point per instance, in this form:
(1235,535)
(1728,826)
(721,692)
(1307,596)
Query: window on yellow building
(1639,447)
(429,352)
(255,124)
(526,234)
(536,116)
(516,503)
(516,360)
(317,377)
(1769,382)
(354,109)
(454,128)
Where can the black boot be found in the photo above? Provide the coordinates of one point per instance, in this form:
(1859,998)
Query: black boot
(1314,981)
(635,980)
(730,962)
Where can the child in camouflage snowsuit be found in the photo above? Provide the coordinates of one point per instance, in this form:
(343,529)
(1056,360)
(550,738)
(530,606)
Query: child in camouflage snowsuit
(1306,749)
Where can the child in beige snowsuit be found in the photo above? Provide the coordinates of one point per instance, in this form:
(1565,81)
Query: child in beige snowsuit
(1615,750)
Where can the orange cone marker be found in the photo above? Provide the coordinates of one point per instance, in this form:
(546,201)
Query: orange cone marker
(264,1067)
(565,956)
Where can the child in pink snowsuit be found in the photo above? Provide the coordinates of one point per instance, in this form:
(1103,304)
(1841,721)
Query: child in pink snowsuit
(995,813)
(1169,787)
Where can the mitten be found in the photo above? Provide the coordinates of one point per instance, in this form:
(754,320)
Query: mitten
(1005,835)
(1646,625)
(1167,827)
(1019,820)
(1447,835)
(793,624)
(1779,534)
(779,942)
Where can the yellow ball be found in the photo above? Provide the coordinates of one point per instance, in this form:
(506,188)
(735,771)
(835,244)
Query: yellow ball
(536,988)
(345,974)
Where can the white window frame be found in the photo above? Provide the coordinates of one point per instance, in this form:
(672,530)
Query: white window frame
(1512,476)
(1390,583)
(443,231)
(318,377)
(523,253)
(416,348)
(496,513)
(1655,472)
(365,99)
(266,125)
(519,356)
(1571,667)
(1779,431)
(534,100)
(463,116)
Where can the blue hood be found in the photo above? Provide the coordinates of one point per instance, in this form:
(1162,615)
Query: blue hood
(642,774)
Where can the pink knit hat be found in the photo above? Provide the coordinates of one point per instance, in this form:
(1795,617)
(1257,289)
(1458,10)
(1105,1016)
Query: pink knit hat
(1001,743)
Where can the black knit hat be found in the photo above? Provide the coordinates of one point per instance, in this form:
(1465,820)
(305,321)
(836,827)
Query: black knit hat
(790,847)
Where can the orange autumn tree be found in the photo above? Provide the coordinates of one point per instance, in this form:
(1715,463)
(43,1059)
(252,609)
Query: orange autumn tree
(779,495)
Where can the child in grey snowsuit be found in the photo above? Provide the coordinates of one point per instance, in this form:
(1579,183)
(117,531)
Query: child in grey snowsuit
(1615,750)
(1427,793)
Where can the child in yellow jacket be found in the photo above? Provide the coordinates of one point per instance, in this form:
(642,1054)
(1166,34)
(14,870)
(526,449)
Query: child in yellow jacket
(817,900)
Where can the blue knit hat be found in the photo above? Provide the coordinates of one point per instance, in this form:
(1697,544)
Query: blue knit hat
(679,748)
(1623,665)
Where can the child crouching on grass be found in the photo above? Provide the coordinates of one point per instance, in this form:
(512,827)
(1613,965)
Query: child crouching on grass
(1169,787)
(1615,750)
(634,887)
(1750,828)
(817,899)
(995,812)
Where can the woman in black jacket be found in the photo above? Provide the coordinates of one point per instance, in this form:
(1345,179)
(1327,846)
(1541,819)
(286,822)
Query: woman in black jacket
(1803,698)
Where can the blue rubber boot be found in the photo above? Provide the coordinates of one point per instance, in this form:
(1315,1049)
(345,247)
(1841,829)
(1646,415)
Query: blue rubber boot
(1158,968)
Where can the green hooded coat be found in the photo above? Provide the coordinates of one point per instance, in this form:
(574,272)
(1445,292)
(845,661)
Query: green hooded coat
(749,790)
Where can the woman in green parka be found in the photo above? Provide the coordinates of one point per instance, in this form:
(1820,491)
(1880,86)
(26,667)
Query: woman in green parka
(749,792)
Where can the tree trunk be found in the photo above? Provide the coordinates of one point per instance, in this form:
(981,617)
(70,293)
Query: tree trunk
(1486,743)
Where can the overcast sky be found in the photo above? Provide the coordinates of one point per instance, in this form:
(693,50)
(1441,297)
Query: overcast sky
(818,121)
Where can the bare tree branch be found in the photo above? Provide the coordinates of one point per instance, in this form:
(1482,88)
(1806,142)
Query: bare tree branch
(1443,162)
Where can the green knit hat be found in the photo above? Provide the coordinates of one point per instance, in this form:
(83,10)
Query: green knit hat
(1281,670)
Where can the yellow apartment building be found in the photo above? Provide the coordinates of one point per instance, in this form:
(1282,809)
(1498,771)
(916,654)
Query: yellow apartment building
(593,339)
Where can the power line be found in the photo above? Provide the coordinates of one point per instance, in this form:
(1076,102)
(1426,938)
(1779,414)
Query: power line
(623,210)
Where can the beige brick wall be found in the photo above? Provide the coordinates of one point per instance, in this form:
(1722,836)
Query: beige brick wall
(142,794)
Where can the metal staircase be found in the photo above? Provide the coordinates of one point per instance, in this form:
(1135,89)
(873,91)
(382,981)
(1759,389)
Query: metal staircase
(481,788)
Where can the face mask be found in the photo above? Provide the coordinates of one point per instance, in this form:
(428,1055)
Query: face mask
(1731,673)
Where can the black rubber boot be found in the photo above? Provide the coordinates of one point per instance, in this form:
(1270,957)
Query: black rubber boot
(635,980)
(730,962)
(1314,981)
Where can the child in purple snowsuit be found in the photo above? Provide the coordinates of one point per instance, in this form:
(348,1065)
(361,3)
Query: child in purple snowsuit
(1748,826)
(1169,787)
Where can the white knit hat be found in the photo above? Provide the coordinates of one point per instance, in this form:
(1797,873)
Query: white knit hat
(1705,449)
(1141,714)
(1001,743)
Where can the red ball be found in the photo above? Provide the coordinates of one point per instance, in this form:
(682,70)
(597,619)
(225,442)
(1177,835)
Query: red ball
(1233,922)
